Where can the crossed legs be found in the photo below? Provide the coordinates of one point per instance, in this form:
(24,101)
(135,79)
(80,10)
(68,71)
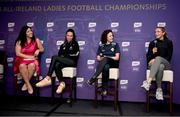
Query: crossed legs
(27,72)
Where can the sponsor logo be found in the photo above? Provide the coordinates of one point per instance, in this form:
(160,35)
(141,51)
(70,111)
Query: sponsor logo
(124,87)
(161,24)
(90,62)
(147,44)
(59,42)
(137,24)
(135,63)
(79,79)
(30,24)
(48,60)
(114,24)
(92,24)
(11,24)
(50,24)
(91,67)
(125,44)
(123,82)
(10,59)
(2,42)
(70,24)
(81,43)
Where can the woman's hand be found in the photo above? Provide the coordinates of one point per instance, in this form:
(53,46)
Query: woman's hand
(154,50)
(116,57)
(36,53)
(151,62)
(99,58)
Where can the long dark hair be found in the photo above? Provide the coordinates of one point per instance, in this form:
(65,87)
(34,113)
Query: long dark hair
(104,36)
(22,36)
(74,35)
(164,31)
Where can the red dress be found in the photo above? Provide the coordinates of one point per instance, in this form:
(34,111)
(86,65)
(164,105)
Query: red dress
(28,49)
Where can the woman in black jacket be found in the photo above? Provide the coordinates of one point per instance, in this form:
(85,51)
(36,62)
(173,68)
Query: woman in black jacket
(158,59)
(67,57)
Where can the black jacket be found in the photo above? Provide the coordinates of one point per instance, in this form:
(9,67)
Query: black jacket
(164,49)
(69,50)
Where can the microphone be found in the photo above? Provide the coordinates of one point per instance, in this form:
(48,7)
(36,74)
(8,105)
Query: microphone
(155,46)
(155,43)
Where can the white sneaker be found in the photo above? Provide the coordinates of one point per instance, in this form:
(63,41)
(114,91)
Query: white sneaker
(159,94)
(146,85)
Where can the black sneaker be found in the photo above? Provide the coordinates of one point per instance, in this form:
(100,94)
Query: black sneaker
(91,81)
(104,93)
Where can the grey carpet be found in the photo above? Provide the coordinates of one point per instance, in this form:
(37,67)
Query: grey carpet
(86,108)
(43,107)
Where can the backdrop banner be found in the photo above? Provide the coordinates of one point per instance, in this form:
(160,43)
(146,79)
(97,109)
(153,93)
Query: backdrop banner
(133,23)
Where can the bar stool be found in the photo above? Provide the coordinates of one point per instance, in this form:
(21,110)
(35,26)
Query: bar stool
(113,76)
(167,93)
(69,76)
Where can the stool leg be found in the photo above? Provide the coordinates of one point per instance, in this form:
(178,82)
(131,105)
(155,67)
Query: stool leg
(102,97)
(33,81)
(15,89)
(53,88)
(75,84)
(115,94)
(36,88)
(71,88)
(147,101)
(170,99)
(15,86)
(96,91)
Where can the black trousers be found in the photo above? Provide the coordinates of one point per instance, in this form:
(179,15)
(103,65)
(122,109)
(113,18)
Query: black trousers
(57,64)
(103,67)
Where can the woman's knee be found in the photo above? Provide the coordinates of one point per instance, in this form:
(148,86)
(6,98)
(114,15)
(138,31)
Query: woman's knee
(22,66)
(158,58)
(57,66)
(54,58)
(161,67)
(106,67)
(31,66)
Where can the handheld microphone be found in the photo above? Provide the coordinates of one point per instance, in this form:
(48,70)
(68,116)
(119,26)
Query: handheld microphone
(155,46)
(155,43)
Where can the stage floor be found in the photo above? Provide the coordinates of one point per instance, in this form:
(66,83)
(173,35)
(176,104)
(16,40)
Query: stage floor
(30,106)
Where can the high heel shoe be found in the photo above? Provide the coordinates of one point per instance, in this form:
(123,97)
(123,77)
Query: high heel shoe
(24,87)
(30,89)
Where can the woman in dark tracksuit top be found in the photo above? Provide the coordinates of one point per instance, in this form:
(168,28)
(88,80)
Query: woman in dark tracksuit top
(158,58)
(108,55)
(67,57)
